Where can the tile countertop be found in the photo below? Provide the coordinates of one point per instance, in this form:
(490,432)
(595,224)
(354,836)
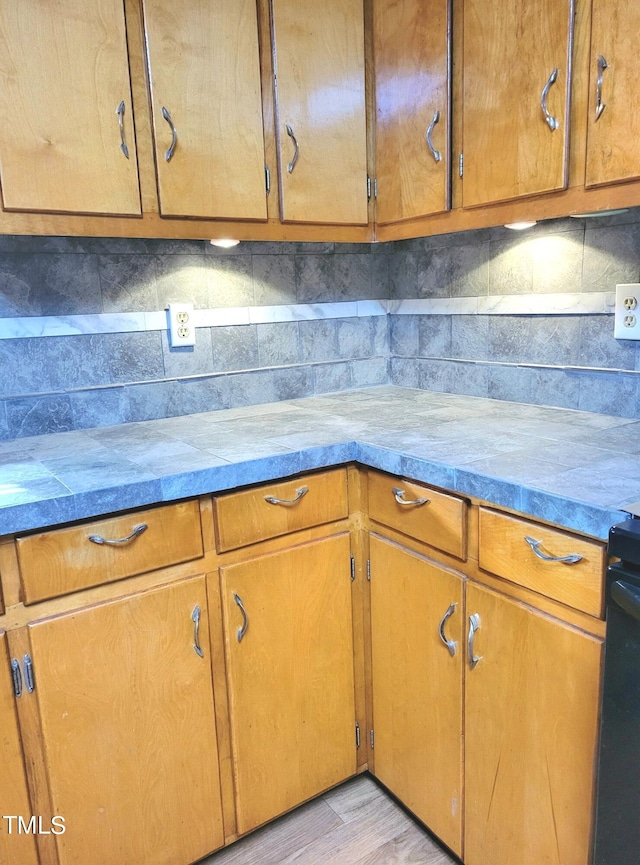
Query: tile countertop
(577,469)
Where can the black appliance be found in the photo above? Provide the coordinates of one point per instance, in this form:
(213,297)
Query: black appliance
(617,835)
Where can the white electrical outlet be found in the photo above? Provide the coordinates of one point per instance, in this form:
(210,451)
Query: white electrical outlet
(181,324)
(627,313)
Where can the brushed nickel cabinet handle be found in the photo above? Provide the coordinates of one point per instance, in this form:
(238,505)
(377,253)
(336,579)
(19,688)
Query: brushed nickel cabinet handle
(174,135)
(450,644)
(16,677)
(435,153)
(552,122)
(571,559)
(600,106)
(296,148)
(195,618)
(119,542)
(474,625)
(302,491)
(398,495)
(242,630)
(123,143)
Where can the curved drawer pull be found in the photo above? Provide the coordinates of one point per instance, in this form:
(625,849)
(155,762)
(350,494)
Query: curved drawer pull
(474,625)
(123,143)
(302,491)
(600,106)
(566,560)
(552,122)
(195,618)
(119,542)
(435,153)
(398,494)
(242,630)
(174,135)
(296,148)
(450,644)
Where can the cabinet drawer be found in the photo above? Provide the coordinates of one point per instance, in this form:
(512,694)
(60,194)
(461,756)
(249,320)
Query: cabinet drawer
(438,519)
(67,560)
(277,509)
(530,555)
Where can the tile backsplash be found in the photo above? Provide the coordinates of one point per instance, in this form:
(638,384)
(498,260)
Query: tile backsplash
(525,317)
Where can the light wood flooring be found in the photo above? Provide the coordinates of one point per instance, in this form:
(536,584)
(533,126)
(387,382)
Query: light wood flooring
(354,824)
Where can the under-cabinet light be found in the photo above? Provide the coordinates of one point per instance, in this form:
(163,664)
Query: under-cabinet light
(225,242)
(592,214)
(520,226)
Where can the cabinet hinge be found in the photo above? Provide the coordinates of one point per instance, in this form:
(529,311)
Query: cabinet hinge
(461,164)
(353,568)
(29,681)
(375,187)
(368,188)
(371,738)
(267,179)
(357,735)
(16,677)
(369,570)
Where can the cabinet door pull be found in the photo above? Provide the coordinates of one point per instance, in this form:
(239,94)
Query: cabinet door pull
(600,106)
(242,630)
(474,625)
(16,677)
(174,135)
(567,560)
(29,681)
(450,644)
(119,542)
(296,148)
(552,122)
(195,618)
(302,491)
(123,143)
(399,493)
(435,153)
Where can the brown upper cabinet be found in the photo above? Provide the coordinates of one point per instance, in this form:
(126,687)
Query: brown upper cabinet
(319,80)
(66,139)
(204,72)
(516,78)
(412,59)
(613,127)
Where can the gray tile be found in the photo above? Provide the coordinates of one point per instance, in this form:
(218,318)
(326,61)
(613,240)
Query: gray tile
(318,340)
(152,400)
(188,360)
(315,278)
(369,372)
(274,279)
(278,343)
(355,337)
(403,275)
(80,473)
(99,407)
(609,393)
(403,372)
(435,375)
(385,459)
(511,267)
(321,247)
(557,263)
(128,283)
(508,337)
(380,334)
(611,256)
(4,425)
(403,334)
(575,515)
(49,284)
(470,336)
(380,279)
(134,357)
(598,347)
(434,335)
(37,415)
(200,394)
(510,383)
(235,347)
(494,490)
(471,379)
(331,377)
(19,488)
(94,502)
(292,383)
(553,339)
(352,276)
(183,278)
(457,271)
(555,387)
(45,505)
(230,282)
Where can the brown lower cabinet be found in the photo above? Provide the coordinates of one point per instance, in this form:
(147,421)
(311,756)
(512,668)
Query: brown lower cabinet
(526,705)
(289,656)
(125,707)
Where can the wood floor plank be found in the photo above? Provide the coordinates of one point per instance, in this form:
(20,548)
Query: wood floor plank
(411,847)
(350,798)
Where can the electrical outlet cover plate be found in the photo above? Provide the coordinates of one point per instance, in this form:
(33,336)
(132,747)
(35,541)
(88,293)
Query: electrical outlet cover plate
(181,322)
(627,311)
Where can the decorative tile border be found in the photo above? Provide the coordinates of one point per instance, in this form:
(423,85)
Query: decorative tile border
(571,303)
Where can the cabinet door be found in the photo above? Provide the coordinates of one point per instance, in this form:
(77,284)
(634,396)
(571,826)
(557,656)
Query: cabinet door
(320,110)
(126,709)
(412,49)
(65,75)
(204,69)
(15,849)
(290,675)
(511,50)
(417,685)
(613,136)
(531,722)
